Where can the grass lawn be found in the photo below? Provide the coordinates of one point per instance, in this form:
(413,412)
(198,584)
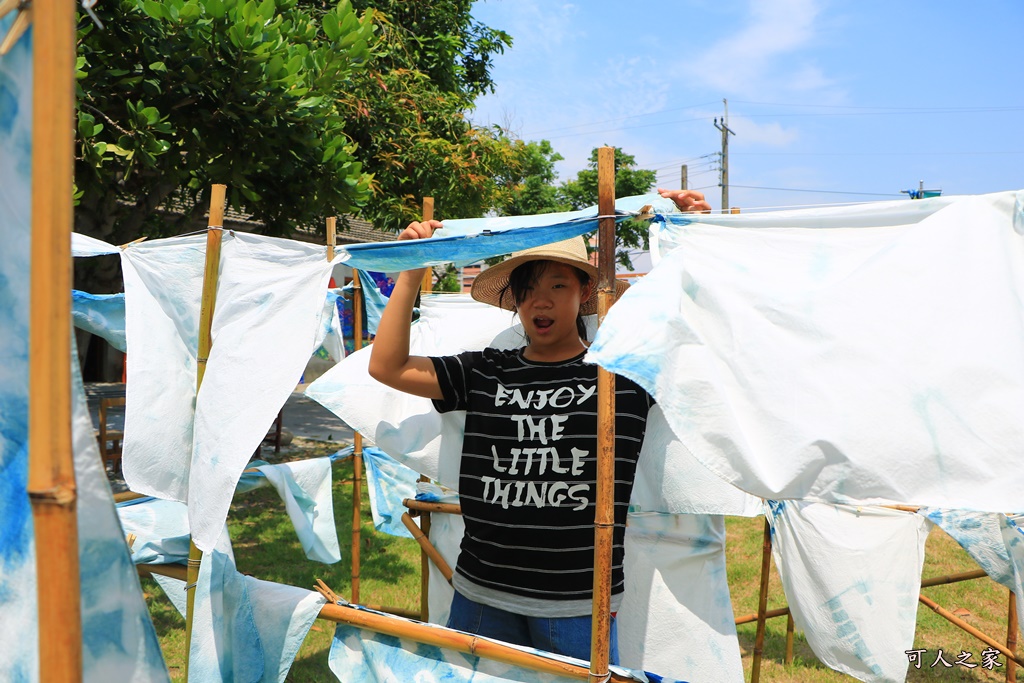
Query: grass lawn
(266,547)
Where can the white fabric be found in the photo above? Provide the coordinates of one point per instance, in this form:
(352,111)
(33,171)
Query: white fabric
(305,488)
(85,246)
(676,617)
(269,311)
(855,355)
(852,577)
(408,428)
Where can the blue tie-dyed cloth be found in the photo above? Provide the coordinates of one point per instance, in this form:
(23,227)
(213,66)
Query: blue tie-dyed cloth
(994,540)
(100,314)
(17,550)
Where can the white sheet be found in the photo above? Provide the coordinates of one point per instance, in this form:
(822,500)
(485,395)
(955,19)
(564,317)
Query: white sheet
(857,355)
(269,311)
(852,577)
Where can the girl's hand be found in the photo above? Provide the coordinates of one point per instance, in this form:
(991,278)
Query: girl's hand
(418,231)
(687,200)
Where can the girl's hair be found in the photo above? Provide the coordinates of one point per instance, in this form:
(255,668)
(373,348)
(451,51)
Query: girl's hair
(525,275)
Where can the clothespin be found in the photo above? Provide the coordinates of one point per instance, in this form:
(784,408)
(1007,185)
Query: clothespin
(20,24)
(645,212)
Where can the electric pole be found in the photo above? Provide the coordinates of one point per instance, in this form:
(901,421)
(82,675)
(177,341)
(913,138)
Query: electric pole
(726,132)
(685,177)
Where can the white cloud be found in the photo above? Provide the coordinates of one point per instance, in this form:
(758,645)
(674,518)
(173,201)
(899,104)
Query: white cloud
(765,57)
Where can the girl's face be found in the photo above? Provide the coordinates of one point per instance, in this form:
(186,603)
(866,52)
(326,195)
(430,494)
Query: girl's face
(550,305)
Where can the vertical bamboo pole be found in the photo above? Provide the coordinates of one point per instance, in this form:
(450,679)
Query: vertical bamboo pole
(604,517)
(425,287)
(428,215)
(1011,637)
(357,445)
(51,477)
(762,602)
(211,272)
(790,629)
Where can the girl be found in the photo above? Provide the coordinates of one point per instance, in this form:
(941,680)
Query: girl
(528,470)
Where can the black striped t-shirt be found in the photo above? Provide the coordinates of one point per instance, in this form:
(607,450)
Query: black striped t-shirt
(527,477)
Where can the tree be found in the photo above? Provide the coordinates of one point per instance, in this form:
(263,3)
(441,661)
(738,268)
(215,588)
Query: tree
(407,112)
(532,189)
(177,95)
(629,181)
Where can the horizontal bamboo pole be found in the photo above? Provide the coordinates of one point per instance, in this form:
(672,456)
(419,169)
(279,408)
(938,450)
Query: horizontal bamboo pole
(397,611)
(980,635)
(953,578)
(125,496)
(427,546)
(424,506)
(175,571)
(770,614)
(455,640)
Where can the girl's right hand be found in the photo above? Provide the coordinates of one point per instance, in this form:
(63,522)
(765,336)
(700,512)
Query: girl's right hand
(419,231)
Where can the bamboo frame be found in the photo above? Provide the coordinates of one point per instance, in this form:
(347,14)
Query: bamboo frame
(357,445)
(424,506)
(1011,636)
(604,514)
(455,640)
(51,478)
(211,273)
(425,288)
(762,603)
(427,547)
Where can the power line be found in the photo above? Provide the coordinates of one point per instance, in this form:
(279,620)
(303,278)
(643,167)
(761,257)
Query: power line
(822,191)
(624,118)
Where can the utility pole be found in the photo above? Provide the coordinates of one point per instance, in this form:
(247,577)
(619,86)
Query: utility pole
(684,174)
(726,132)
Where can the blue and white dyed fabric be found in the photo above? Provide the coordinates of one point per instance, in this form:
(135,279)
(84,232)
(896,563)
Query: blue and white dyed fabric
(118,639)
(389,482)
(852,577)
(244,629)
(468,240)
(100,314)
(359,656)
(861,355)
(270,306)
(17,550)
(305,488)
(676,617)
(994,540)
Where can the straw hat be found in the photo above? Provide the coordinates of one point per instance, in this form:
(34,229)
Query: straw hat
(488,285)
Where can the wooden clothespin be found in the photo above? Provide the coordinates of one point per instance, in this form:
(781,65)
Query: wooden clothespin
(645,212)
(20,24)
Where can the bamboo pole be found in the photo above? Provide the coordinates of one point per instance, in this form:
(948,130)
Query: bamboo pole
(604,514)
(769,614)
(454,640)
(428,276)
(211,273)
(762,603)
(1011,636)
(953,578)
(427,547)
(980,635)
(51,477)
(357,445)
(424,506)
(425,288)
(790,628)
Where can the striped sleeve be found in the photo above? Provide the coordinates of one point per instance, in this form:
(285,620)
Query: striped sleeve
(452,376)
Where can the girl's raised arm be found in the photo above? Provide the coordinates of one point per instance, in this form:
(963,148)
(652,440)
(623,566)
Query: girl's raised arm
(390,362)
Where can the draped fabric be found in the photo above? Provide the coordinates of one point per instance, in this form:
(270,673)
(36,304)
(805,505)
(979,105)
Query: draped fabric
(858,355)
(852,577)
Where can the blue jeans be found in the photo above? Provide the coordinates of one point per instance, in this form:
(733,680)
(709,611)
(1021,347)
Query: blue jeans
(568,636)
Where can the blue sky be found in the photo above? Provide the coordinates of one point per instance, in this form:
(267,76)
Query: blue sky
(841,101)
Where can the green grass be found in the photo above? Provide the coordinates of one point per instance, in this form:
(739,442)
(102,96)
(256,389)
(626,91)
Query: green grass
(266,547)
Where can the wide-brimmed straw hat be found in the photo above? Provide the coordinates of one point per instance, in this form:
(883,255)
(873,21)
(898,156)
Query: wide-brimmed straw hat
(489,284)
